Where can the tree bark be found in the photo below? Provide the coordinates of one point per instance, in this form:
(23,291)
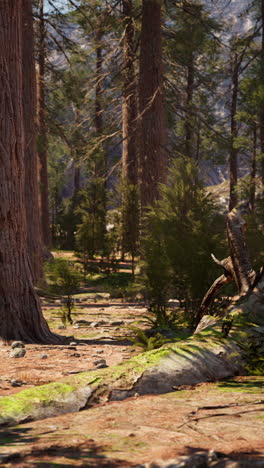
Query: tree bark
(261,114)
(189,141)
(129,104)
(42,131)
(233,149)
(130,198)
(34,237)
(252,194)
(153,157)
(20,312)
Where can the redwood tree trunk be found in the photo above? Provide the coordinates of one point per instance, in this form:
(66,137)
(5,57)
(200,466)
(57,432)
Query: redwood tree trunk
(129,106)
(42,130)
(20,312)
(261,116)
(233,149)
(153,158)
(34,237)
(130,195)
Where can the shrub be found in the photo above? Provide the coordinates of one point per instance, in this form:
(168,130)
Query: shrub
(183,228)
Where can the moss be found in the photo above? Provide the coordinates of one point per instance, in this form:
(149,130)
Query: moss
(24,401)
(249,386)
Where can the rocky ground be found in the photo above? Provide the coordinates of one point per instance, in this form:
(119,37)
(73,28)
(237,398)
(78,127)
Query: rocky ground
(223,421)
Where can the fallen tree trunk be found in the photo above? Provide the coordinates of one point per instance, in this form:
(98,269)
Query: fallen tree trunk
(214,352)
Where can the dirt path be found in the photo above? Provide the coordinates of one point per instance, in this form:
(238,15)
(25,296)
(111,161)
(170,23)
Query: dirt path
(98,332)
(227,417)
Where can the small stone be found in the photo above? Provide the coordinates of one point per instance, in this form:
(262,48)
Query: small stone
(17,353)
(76,326)
(17,344)
(136,394)
(101,366)
(43,356)
(117,323)
(61,327)
(73,343)
(71,347)
(116,328)
(16,383)
(100,351)
(75,355)
(99,361)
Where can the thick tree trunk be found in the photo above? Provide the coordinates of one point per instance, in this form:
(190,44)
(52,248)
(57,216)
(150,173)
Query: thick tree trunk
(233,149)
(130,199)
(34,237)
(153,158)
(20,313)
(261,114)
(129,105)
(42,131)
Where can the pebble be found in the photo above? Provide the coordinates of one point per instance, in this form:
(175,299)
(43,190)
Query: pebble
(73,343)
(71,347)
(100,351)
(43,356)
(16,383)
(75,355)
(62,327)
(99,361)
(101,366)
(17,344)
(17,353)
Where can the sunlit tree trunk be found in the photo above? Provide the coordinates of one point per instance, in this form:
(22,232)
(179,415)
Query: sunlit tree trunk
(42,130)
(34,237)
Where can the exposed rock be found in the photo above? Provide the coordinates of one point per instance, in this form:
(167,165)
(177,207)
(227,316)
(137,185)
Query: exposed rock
(101,366)
(99,361)
(73,343)
(43,356)
(17,344)
(16,383)
(81,322)
(17,353)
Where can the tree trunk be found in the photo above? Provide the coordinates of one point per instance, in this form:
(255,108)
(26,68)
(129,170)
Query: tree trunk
(42,131)
(34,237)
(129,105)
(189,141)
(130,199)
(153,158)
(233,149)
(261,114)
(20,312)
(252,194)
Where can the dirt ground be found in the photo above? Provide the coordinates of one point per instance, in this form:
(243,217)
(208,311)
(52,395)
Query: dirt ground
(227,417)
(99,331)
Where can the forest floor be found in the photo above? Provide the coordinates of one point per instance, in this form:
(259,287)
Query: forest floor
(227,417)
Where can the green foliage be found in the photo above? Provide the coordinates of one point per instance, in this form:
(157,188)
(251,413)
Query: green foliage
(64,280)
(141,340)
(183,228)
